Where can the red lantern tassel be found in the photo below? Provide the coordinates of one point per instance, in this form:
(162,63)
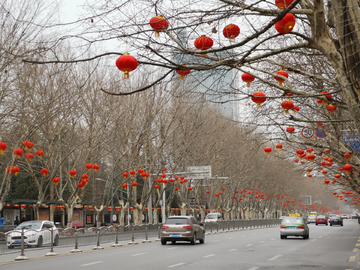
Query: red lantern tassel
(248,84)
(181,77)
(126,75)
(157,34)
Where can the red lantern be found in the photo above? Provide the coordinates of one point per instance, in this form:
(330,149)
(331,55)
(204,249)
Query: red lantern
(309,170)
(290,130)
(280,80)
(88,166)
(299,152)
(176,177)
(2,147)
(29,156)
(296,160)
(140,171)
(156,187)
(258,97)
(203,43)
(247,78)
(56,180)
(44,172)
(309,150)
(348,155)
(324,172)
(125,175)
(311,157)
(282,4)
(331,108)
(18,152)
(231,31)
(347,168)
(96,167)
(216,194)
(30,145)
(124,186)
(72,173)
(134,184)
(163,175)
(208,192)
(40,153)
(183,73)
(132,173)
(296,108)
(159,24)
(337,176)
(287,105)
(285,25)
(81,185)
(279,146)
(84,176)
(267,150)
(326,181)
(15,170)
(177,188)
(24,143)
(190,189)
(126,63)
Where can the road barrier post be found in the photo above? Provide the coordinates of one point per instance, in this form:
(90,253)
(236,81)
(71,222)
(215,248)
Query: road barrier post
(51,253)
(146,240)
(116,244)
(132,236)
(159,230)
(76,249)
(98,240)
(22,255)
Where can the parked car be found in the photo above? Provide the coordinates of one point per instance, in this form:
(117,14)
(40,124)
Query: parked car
(182,228)
(294,226)
(213,217)
(336,220)
(36,234)
(321,220)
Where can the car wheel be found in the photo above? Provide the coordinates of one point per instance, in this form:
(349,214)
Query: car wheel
(40,242)
(202,241)
(163,242)
(342,224)
(193,240)
(56,240)
(330,224)
(308,236)
(316,224)
(326,224)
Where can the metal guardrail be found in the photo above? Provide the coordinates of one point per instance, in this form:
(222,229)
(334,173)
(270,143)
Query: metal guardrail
(80,236)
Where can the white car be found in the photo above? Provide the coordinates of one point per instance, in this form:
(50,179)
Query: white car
(36,234)
(213,217)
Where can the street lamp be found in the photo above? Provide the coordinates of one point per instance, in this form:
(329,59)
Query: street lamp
(112,197)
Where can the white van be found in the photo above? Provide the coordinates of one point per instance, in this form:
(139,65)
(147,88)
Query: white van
(213,217)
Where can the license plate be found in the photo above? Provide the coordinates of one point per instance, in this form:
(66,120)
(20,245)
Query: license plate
(175,235)
(320,220)
(17,242)
(336,220)
(292,227)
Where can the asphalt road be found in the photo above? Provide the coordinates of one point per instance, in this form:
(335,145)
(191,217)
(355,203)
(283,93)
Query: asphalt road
(328,248)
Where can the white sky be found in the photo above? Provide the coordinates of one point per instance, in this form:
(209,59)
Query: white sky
(70,9)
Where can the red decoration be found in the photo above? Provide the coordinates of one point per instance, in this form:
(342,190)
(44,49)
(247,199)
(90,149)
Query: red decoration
(30,145)
(296,108)
(171,180)
(337,176)
(331,108)
(348,155)
(15,170)
(2,147)
(347,168)
(279,146)
(56,180)
(40,153)
(216,194)
(309,150)
(267,150)
(247,78)
(208,192)
(280,80)
(84,176)
(140,171)
(81,185)
(203,43)
(88,166)
(96,167)
(134,184)
(282,4)
(159,24)
(157,187)
(190,188)
(311,157)
(72,173)
(231,31)
(18,152)
(287,105)
(296,160)
(124,186)
(326,181)
(299,152)
(132,173)
(29,156)
(183,73)
(126,63)
(44,172)
(258,97)
(285,25)
(125,175)
(290,130)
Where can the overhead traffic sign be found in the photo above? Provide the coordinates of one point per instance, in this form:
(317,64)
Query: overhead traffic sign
(353,141)
(307,132)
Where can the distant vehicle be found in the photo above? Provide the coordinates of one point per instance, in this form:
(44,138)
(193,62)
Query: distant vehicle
(294,226)
(182,228)
(311,219)
(36,233)
(213,217)
(336,220)
(313,213)
(321,220)
(343,216)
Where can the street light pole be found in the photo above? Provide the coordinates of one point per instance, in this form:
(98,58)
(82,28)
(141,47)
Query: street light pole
(112,183)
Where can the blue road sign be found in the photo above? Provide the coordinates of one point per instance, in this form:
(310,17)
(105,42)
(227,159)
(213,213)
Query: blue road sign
(353,141)
(321,133)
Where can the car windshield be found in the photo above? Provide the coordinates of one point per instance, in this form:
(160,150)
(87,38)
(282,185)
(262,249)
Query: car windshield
(29,226)
(335,217)
(292,220)
(177,221)
(211,216)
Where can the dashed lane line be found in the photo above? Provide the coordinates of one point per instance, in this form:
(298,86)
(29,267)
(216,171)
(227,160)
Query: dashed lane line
(87,264)
(352,258)
(249,245)
(355,250)
(138,254)
(175,265)
(357,245)
(171,248)
(253,268)
(231,250)
(274,258)
(262,242)
(210,255)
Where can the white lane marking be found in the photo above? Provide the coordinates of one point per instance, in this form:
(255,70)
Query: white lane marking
(91,263)
(274,258)
(216,240)
(320,236)
(313,240)
(249,245)
(253,268)
(272,239)
(262,242)
(207,256)
(232,249)
(231,238)
(174,265)
(171,248)
(138,254)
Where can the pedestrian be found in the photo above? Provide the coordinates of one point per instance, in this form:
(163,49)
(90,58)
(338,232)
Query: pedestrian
(2,221)
(23,219)
(16,221)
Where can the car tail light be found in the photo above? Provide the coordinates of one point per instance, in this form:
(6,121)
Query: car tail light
(165,227)
(301,227)
(283,227)
(187,227)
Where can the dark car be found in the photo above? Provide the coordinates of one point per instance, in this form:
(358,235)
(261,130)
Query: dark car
(321,220)
(336,220)
(182,228)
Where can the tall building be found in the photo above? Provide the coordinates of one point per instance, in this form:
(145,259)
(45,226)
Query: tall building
(215,86)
